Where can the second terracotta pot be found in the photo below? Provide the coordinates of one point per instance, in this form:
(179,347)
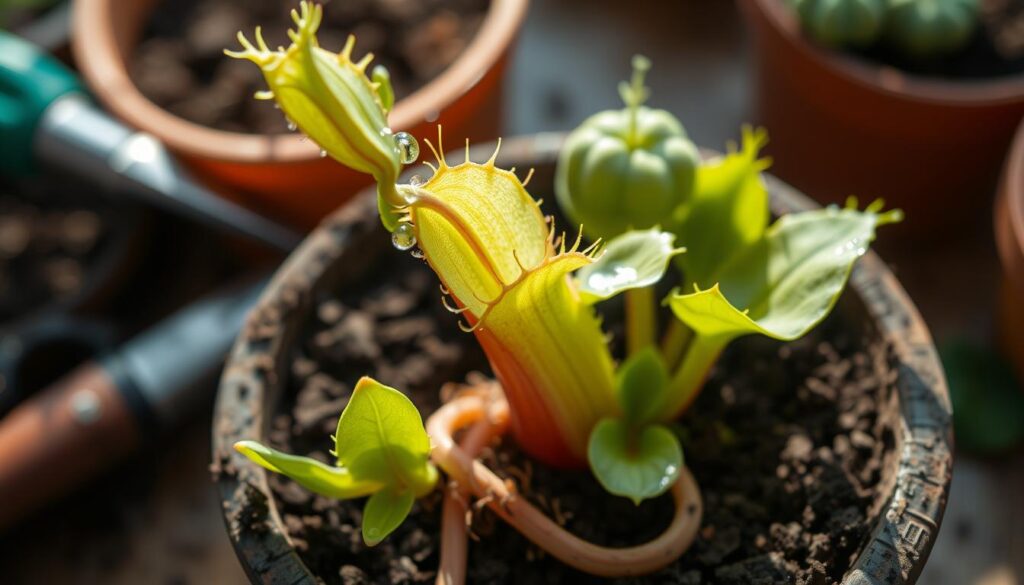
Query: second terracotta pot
(268,171)
(841,126)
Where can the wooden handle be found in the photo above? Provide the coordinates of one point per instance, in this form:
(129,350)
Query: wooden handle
(61,437)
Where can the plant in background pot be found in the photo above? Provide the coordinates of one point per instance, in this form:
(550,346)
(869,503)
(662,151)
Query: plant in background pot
(530,297)
(899,86)
(155,64)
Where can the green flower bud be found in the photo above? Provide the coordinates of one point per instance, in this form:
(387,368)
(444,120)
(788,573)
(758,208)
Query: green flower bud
(625,169)
(856,23)
(924,28)
(329,98)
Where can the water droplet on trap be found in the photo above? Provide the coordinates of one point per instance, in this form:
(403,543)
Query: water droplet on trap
(403,238)
(408,148)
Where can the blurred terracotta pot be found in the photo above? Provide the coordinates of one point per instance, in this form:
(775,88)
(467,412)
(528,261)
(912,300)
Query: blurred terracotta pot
(282,174)
(1009,223)
(840,125)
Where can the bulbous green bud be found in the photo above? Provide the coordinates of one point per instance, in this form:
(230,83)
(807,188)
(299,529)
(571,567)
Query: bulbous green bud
(626,169)
(836,23)
(925,28)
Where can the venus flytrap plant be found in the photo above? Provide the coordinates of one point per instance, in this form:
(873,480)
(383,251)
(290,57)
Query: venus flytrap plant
(529,296)
(507,275)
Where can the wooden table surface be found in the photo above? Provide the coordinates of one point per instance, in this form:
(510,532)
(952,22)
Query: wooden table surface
(156,520)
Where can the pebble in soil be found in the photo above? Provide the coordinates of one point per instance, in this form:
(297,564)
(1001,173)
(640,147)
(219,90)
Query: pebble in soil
(180,65)
(786,441)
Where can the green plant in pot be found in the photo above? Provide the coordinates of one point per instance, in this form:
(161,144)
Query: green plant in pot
(532,297)
(918,28)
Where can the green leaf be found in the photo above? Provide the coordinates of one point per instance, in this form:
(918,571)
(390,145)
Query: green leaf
(311,474)
(640,385)
(788,281)
(381,438)
(634,463)
(728,211)
(383,513)
(635,259)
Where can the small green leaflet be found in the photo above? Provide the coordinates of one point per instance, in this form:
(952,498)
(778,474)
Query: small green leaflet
(787,282)
(728,211)
(634,259)
(381,437)
(382,450)
(634,464)
(640,386)
(629,456)
(385,511)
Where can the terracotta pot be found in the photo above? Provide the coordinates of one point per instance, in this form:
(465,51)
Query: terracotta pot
(268,172)
(910,500)
(1009,223)
(840,125)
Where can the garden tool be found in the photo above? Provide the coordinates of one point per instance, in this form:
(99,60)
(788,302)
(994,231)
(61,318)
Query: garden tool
(47,121)
(108,408)
(36,351)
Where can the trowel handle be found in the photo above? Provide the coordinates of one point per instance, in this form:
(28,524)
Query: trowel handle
(30,80)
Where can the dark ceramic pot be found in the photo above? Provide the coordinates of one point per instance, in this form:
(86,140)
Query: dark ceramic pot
(911,496)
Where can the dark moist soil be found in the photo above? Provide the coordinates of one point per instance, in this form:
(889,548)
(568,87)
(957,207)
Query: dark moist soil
(180,63)
(996,50)
(48,240)
(786,441)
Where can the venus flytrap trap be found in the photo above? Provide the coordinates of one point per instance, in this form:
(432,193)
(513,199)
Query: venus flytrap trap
(329,97)
(530,296)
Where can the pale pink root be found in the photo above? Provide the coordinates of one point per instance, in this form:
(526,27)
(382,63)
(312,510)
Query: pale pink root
(472,475)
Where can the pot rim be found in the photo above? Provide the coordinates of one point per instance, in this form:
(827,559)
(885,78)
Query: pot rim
(914,498)
(974,93)
(1009,212)
(97,38)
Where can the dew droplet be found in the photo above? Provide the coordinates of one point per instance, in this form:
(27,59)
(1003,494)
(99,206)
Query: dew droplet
(418,254)
(385,131)
(415,180)
(403,238)
(323,153)
(292,126)
(408,148)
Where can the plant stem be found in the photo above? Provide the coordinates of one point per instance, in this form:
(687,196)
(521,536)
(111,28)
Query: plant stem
(454,544)
(640,319)
(502,498)
(675,342)
(690,375)
(634,95)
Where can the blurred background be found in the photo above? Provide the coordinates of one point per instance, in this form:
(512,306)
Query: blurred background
(155,518)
